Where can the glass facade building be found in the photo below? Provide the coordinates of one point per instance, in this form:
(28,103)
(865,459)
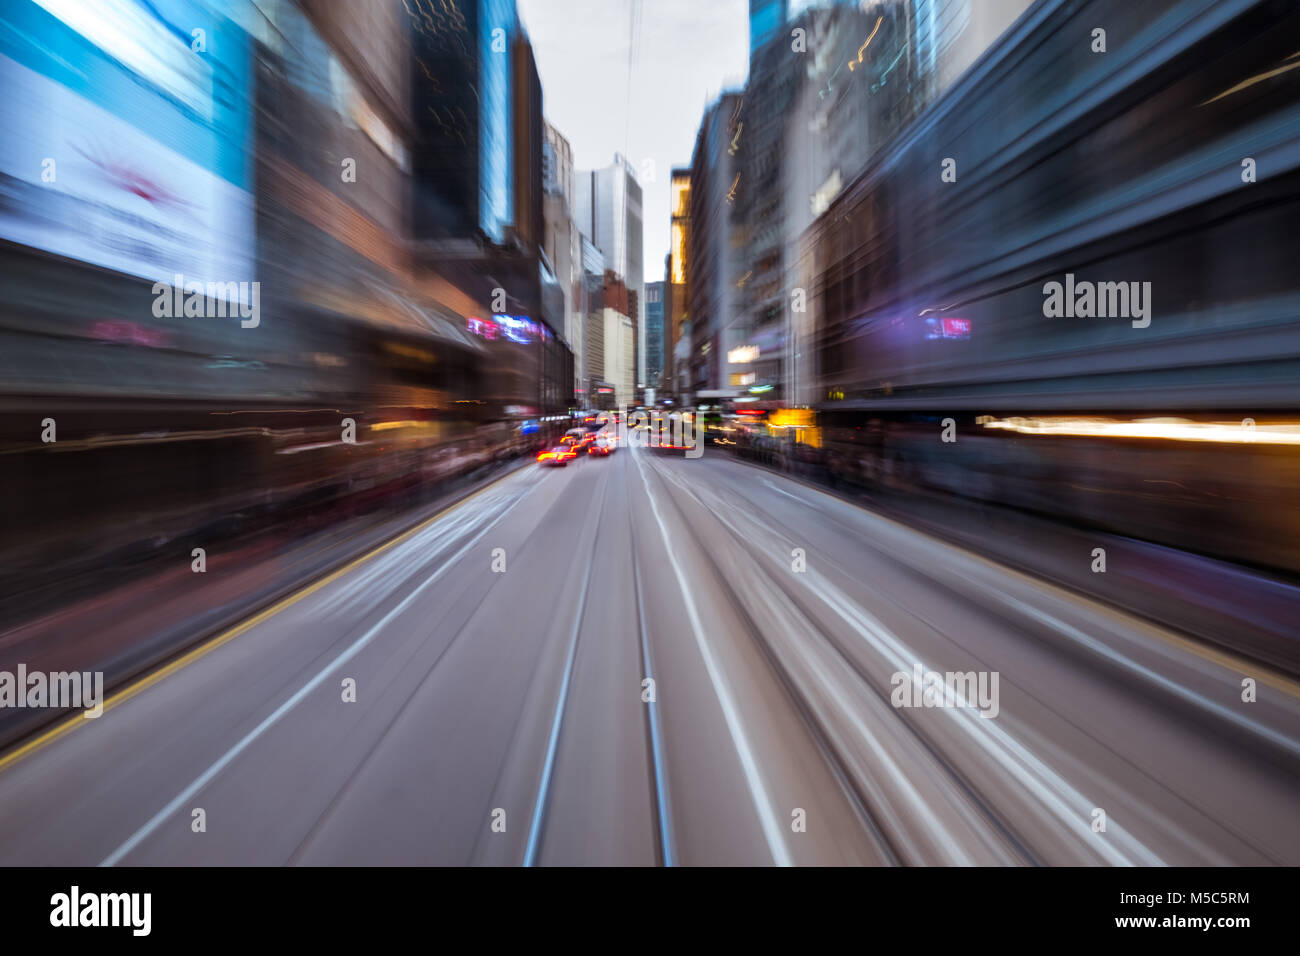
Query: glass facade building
(496,160)
(766,17)
(463,159)
(654,333)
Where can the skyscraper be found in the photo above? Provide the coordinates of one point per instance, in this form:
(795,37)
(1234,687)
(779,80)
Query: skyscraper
(654,333)
(607,205)
(562,247)
(463,160)
(766,18)
(528,142)
(716,250)
(477,193)
(676,336)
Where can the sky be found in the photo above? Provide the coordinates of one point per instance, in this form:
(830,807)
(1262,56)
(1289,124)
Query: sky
(643,99)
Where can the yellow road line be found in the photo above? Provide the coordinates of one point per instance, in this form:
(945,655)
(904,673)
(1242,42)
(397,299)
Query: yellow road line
(72,722)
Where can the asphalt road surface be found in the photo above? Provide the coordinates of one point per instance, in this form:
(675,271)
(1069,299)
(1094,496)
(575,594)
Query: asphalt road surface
(649,660)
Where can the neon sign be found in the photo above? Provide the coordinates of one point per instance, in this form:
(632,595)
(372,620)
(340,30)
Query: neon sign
(514,328)
(936,328)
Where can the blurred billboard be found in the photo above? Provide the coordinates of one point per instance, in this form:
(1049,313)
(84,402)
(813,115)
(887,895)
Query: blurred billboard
(124,149)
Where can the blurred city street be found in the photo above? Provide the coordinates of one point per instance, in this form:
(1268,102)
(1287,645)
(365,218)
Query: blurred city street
(649,433)
(521,690)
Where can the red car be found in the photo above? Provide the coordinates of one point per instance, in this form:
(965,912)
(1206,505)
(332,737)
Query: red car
(560,455)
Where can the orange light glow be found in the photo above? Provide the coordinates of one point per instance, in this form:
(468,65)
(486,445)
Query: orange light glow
(1246,432)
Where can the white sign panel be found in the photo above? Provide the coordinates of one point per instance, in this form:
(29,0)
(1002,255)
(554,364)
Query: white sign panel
(77,181)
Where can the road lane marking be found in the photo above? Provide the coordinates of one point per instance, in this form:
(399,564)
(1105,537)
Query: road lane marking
(553,738)
(920,808)
(1100,648)
(121,696)
(1229,660)
(781,492)
(772,830)
(274,717)
(658,765)
(1054,792)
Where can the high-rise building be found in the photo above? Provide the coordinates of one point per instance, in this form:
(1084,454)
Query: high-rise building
(528,143)
(766,18)
(762,331)
(593,260)
(557,166)
(463,160)
(610,339)
(608,210)
(478,206)
(857,89)
(677,338)
(654,333)
(620,355)
(950,35)
(715,251)
(562,248)
(591,283)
